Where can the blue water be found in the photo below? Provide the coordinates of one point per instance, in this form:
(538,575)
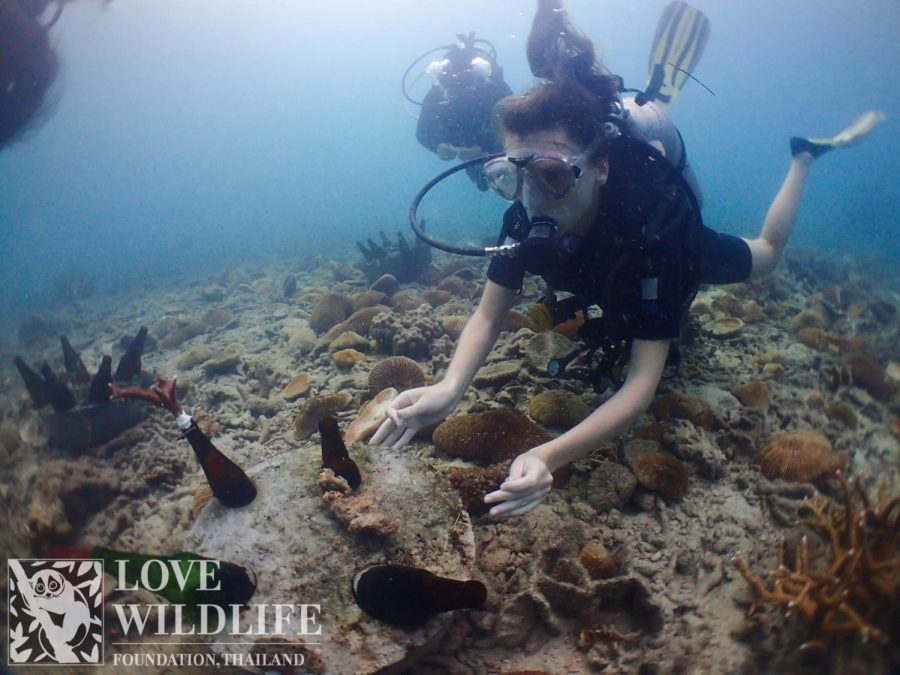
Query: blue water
(190,135)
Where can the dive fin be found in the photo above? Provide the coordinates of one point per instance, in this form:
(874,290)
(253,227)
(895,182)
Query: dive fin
(681,36)
(861,127)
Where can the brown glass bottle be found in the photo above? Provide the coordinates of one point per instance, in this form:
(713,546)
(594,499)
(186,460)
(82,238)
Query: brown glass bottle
(228,482)
(61,397)
(78,374)
(130,363)
(99,391)
(35,386)
(407,596)
(335,455)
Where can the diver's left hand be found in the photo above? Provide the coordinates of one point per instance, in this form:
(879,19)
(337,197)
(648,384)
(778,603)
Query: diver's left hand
(529,481)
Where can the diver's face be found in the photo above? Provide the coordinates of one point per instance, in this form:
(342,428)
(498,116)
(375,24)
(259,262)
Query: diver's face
(576,209)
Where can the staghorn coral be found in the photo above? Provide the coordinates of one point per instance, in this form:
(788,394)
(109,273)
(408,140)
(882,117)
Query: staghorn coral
(853,587)
(493,436)
(399,372)
(409,334)
(799,457)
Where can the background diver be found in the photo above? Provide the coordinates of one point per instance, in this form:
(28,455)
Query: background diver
(600,210)
(456,121)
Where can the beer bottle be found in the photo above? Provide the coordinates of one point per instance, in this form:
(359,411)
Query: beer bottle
(408,596)
(78,374)
(228,482)
(334,453)
(35,386)
(61,397)
(130,363)
(99,391)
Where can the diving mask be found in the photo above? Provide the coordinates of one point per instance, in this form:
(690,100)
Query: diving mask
(552,173)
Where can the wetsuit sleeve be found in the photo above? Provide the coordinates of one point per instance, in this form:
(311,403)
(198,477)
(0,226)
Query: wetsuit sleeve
(725,259)
(509,271)
(665,294)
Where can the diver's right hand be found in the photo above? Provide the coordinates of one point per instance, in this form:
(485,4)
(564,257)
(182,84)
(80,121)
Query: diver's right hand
(412,410)
(446,151)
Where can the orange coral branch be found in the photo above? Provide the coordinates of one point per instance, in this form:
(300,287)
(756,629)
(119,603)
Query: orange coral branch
(855,586)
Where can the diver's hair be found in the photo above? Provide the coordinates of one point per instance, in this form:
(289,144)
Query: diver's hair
(28,66)
(579,94)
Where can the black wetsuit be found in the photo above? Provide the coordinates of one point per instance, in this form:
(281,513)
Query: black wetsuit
(641,269)
(461,117)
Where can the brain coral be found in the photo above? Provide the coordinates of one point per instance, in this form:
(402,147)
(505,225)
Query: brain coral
(662,473)
(799,457)
(558,408)
(493,436)
(399,372)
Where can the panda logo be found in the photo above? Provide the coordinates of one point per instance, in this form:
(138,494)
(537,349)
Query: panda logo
(65,606)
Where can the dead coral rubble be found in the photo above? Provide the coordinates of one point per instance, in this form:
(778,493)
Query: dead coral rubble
(852,589)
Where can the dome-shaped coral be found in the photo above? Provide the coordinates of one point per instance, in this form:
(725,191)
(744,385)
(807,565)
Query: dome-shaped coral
(799,457)
(598,561)
(662,473)
(332,309)
(493,436)
(558,408)
(399,372)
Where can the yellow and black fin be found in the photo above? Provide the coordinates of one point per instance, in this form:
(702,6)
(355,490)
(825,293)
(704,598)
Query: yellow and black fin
(681,36)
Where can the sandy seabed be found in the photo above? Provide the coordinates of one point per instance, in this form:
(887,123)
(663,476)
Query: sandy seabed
(675,604)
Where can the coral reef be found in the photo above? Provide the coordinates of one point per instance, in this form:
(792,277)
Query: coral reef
(493,436)
(799,457)
(681,406)
(853,588)
(558,408)
(398,372)
(330,311)
(598,561)
(408,334)
(473,483)
(662,473)
(296,387)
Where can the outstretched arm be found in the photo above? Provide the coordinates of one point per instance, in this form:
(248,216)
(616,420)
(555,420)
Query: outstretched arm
(530,474)
(415,408)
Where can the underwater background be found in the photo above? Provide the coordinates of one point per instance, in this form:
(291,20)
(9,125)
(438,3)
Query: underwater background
(187,136)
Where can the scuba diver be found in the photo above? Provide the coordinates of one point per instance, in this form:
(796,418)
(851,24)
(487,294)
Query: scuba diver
(28,63)
(602,211)
(456,117)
